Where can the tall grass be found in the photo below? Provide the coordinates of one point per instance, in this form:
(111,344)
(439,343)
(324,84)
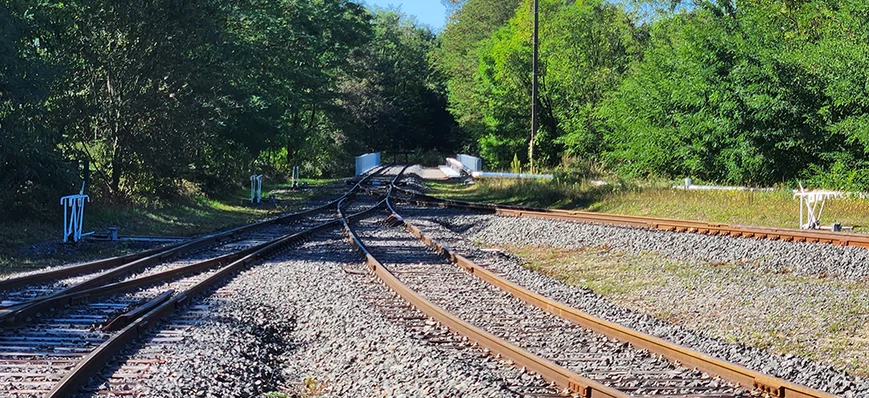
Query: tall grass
(33,242)
(650,198)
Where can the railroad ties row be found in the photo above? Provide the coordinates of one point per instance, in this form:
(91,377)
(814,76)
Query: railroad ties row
(663,224)
(53,352)
(580,353)
(60,327)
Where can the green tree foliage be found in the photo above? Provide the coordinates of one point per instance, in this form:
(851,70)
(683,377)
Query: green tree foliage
(396,99)
(752,91)
(729,93)
(470,25)
(30,164)
(293,53)
(158,94)
(585,49)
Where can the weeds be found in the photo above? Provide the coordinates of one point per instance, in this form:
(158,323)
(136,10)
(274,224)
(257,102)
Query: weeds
(656,198)
(29,243)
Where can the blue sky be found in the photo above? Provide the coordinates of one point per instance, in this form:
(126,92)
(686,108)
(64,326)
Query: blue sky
(429,12)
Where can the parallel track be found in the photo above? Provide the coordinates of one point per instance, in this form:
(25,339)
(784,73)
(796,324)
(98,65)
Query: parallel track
(56,353)
(52,355)
(506,319)
(664,224)
(24,296)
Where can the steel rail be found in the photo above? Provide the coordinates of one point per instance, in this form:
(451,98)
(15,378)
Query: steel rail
(112,288)
(687,357)
(550,371)
(153,254)
(10,316)
(74,270)
(161,307)
(664,224)
(97,358)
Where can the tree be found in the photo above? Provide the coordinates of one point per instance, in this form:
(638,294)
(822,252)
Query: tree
(396,99)
(471,23)
(728,93)
(31,167)
(585,51)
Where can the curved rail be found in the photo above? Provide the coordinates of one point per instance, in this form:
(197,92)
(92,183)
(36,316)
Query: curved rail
(585,387)
(140,320)
(12,315)
(728,371)
(149,256)
(96,358)
(664,224)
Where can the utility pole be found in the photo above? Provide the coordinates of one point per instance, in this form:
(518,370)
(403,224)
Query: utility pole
(534,89)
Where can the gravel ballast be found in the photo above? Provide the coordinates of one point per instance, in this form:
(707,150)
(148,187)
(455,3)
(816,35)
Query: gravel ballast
(459,230)
(555,339)
(299,323)
(810,259)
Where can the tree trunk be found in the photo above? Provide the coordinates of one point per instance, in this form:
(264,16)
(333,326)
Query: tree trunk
(116,168)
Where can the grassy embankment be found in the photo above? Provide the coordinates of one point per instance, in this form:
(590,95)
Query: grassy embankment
(772,209)
(820,319)
(33,243)
(811,316)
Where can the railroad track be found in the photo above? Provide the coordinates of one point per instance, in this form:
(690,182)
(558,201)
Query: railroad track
(664,224)
(24,296)
(131,372)
(583,354)
(71,326)
(55,353)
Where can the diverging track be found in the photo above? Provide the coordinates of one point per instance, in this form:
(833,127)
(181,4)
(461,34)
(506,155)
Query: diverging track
(581,353)
(655,223)
(59,331)
(66,336)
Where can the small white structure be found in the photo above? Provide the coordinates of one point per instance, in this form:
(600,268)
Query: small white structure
(73,215)
(457,168)
(521,176)
(689,186)
(810,213)
(296,178)
(366,162)
(471,163)
(256,188)
(449,172)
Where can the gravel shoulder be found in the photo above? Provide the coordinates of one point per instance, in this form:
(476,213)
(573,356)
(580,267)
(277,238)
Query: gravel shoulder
(788,303)
(819,319)
(301,325)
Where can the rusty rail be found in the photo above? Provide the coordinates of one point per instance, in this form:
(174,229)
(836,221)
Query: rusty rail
(96,358)
(161,307)
(586,388)
(664,224)
(126,264)
(67,272)
(687,357)
(160,252)
(57,301)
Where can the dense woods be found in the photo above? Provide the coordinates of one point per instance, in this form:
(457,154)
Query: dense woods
(748,92)
(161,97)
(156,98)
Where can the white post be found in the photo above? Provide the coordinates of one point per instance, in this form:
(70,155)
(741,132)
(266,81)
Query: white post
(259,188)
(73,216)
(256,188)
(801,212)
(253,188)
